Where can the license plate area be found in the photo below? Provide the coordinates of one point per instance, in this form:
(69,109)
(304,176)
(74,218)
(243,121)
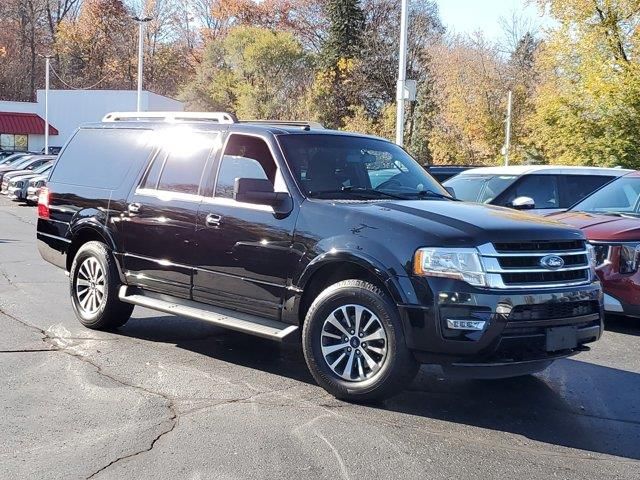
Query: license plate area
(562,338)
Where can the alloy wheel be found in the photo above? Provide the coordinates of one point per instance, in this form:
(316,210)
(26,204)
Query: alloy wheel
(90,286)
(354,343)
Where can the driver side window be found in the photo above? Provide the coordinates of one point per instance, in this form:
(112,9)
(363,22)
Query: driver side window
(543,189)
(244,157)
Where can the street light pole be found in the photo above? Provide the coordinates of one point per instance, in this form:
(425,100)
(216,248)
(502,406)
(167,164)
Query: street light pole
(507,135)
(141,22)
(46,105)
(402,72)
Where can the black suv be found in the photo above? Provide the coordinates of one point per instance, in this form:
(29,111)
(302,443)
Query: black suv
(289,230)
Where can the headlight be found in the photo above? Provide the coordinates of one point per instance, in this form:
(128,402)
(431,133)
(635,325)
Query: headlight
(629,258)
(460,263)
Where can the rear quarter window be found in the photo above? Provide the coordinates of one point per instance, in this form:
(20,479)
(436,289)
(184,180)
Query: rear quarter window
(101,158)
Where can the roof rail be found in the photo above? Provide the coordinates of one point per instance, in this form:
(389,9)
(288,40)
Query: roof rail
(218,117)
(285,123)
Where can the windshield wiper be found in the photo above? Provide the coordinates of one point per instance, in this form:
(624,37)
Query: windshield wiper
(357,191)
(431,193)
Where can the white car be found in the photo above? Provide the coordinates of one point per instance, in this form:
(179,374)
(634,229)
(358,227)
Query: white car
(541,188)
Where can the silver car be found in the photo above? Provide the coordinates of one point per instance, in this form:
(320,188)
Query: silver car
(33,188)
(17,186)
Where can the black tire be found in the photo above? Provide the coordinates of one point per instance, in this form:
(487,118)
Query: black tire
(399,366)
(110,312)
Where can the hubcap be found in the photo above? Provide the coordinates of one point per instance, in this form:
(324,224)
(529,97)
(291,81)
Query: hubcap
(90,285)
(354,343)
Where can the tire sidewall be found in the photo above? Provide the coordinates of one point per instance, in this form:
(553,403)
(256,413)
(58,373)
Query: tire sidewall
(97,251)
(325,304)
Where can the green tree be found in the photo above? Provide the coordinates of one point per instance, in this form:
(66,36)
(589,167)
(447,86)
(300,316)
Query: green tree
(252,72)
(587,109)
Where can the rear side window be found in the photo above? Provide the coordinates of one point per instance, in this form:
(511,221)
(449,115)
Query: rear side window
(101,158)
(577,187)
(179,167)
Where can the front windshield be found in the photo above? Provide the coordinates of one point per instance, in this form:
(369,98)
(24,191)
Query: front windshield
(618,197)
(11,159)
(21,163)
(43,168)
(341,166)
(479,188)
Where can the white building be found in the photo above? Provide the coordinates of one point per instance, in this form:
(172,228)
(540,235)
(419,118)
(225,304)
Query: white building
(22,123)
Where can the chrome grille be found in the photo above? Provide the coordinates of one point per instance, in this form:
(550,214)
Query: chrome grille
(519,265)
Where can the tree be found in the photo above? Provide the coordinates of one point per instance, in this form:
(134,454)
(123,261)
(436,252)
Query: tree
(587,109)
(253,72)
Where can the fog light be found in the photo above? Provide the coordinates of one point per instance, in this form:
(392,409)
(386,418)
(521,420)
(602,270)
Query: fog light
(474,325)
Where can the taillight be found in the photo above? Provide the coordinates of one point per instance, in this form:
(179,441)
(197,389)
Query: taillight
(43,203)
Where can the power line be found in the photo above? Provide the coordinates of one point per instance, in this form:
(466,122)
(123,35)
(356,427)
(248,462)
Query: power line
(78,88)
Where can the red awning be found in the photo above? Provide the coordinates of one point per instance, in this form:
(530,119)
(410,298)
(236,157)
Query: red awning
(23,124)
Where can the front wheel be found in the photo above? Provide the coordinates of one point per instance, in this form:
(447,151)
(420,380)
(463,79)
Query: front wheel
(93,283)
(354,343)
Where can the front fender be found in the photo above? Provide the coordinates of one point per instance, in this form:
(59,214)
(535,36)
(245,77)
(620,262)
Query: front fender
(374,257)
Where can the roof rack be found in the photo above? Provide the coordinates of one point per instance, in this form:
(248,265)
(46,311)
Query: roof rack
(217,117)
(285,123)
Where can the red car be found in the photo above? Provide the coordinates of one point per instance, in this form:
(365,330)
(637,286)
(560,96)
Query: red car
(610,219)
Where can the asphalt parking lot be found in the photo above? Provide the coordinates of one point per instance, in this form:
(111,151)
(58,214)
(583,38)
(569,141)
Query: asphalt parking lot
(173,398)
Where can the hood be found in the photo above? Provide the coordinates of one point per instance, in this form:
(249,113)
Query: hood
(602,227)
(463,224)
(37,178)
(17,173)
(20,175)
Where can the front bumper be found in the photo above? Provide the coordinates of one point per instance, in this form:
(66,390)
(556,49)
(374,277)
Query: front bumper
(516,324)
(13,193)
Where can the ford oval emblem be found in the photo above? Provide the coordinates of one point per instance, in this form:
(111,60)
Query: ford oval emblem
(552,262)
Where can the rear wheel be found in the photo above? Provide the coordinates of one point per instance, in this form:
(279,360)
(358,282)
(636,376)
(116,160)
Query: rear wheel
(94,282)
(354,344)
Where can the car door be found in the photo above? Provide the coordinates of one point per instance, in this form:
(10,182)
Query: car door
(245,251)
(159,226)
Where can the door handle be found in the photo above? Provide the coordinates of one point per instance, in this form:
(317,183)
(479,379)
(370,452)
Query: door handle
(134,207)
(213,220)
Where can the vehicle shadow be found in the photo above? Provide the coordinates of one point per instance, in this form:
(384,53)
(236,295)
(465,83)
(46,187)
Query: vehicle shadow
(573,404)
(624,325)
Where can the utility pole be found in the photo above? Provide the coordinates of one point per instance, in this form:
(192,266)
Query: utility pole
(507,140)
(402,72)
(46,105)
(141,22)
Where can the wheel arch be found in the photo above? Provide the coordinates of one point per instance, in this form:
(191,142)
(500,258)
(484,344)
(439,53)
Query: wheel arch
(87,231)
(333,267)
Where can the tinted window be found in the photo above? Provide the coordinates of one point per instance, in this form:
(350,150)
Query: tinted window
(183,174)
(101,158)
(577,187)
(543,189)
(153,174)
(244,157)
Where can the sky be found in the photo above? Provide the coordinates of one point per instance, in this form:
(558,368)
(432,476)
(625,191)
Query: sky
(470,16)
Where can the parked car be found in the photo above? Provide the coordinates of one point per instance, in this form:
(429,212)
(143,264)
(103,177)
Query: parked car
(52,151)
(34,187)
(278,230)
(25,164)
(9,159)
(17,184)
(543,188)
(445,172)
(610,218)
